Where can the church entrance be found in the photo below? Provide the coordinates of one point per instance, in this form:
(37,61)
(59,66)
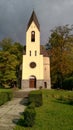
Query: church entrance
(32,82)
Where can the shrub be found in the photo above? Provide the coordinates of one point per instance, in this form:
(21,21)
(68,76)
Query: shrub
(5,96)
(68,83)
(10,95)
(31,106)
(29,116)
(36,98)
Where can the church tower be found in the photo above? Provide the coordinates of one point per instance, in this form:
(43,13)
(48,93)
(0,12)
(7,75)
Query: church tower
(35,67)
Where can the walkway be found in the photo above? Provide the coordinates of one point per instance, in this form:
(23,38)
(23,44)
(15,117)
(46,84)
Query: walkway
(10,112)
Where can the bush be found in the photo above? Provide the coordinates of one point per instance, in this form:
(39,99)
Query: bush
(1,85)
(10,95)
(31,106)
(68,83)
(36,98)
(29,116)
(5,96)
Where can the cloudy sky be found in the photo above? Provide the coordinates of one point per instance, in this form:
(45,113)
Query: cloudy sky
(15,14)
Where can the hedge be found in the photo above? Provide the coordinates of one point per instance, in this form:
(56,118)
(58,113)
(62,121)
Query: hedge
(5,96)
(29,116)
(36,98)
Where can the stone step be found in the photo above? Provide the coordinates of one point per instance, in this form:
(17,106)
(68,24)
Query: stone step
(20,94)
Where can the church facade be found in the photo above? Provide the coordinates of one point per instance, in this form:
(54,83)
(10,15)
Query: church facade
(36,63)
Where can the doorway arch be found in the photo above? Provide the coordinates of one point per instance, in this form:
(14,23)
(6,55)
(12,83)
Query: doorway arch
(32,81)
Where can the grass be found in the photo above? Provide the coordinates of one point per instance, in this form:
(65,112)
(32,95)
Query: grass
(55,114)
(5,90)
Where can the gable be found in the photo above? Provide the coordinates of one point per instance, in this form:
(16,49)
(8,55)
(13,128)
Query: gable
(34,19)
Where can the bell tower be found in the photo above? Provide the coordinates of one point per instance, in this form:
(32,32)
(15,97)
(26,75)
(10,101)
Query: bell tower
(36,63)
(33,36)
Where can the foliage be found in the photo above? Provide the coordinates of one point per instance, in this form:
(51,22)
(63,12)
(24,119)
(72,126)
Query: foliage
(61,52)
(31,105)
(10,61)
(36,98)
(29,116)
(68,83)
(5,96)
(5,90)
(53,114)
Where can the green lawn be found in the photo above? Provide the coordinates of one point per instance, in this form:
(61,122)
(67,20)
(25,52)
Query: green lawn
(5,90)
(55,114)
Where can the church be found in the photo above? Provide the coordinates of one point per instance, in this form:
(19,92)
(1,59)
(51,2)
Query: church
(36,62)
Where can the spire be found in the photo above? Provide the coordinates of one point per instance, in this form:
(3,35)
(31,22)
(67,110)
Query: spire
(33,18)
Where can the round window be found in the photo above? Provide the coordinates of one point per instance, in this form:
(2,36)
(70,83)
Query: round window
(32,64)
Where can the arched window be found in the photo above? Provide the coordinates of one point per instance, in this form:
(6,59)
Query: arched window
(32,36)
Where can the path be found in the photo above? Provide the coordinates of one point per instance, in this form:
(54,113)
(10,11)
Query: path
(10,112)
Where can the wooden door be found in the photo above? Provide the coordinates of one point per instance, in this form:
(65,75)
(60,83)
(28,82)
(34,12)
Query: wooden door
(32,83)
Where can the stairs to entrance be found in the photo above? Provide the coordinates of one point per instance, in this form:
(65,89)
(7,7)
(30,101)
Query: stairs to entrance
(20,94)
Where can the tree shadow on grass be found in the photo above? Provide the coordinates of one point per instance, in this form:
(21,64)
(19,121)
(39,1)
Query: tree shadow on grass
(66,101)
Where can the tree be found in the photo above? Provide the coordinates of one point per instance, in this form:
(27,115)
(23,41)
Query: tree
(61,41)
(6,44)
(10,60)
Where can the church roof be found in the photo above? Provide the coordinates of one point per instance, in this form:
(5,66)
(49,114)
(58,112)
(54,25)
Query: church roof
(33,18)
(43,51)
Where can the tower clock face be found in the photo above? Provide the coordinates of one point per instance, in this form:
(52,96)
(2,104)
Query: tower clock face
(32,64)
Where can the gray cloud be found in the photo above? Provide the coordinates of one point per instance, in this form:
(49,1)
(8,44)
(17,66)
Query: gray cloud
(14,16)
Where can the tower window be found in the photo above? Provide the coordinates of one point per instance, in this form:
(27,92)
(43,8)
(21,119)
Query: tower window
(35,53)
(33,36)
(30,53)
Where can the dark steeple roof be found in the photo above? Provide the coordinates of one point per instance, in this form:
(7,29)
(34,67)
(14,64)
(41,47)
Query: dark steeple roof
(33,18)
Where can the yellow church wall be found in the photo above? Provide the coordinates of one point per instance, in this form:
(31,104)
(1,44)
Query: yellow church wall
(37,71)
(27,59)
